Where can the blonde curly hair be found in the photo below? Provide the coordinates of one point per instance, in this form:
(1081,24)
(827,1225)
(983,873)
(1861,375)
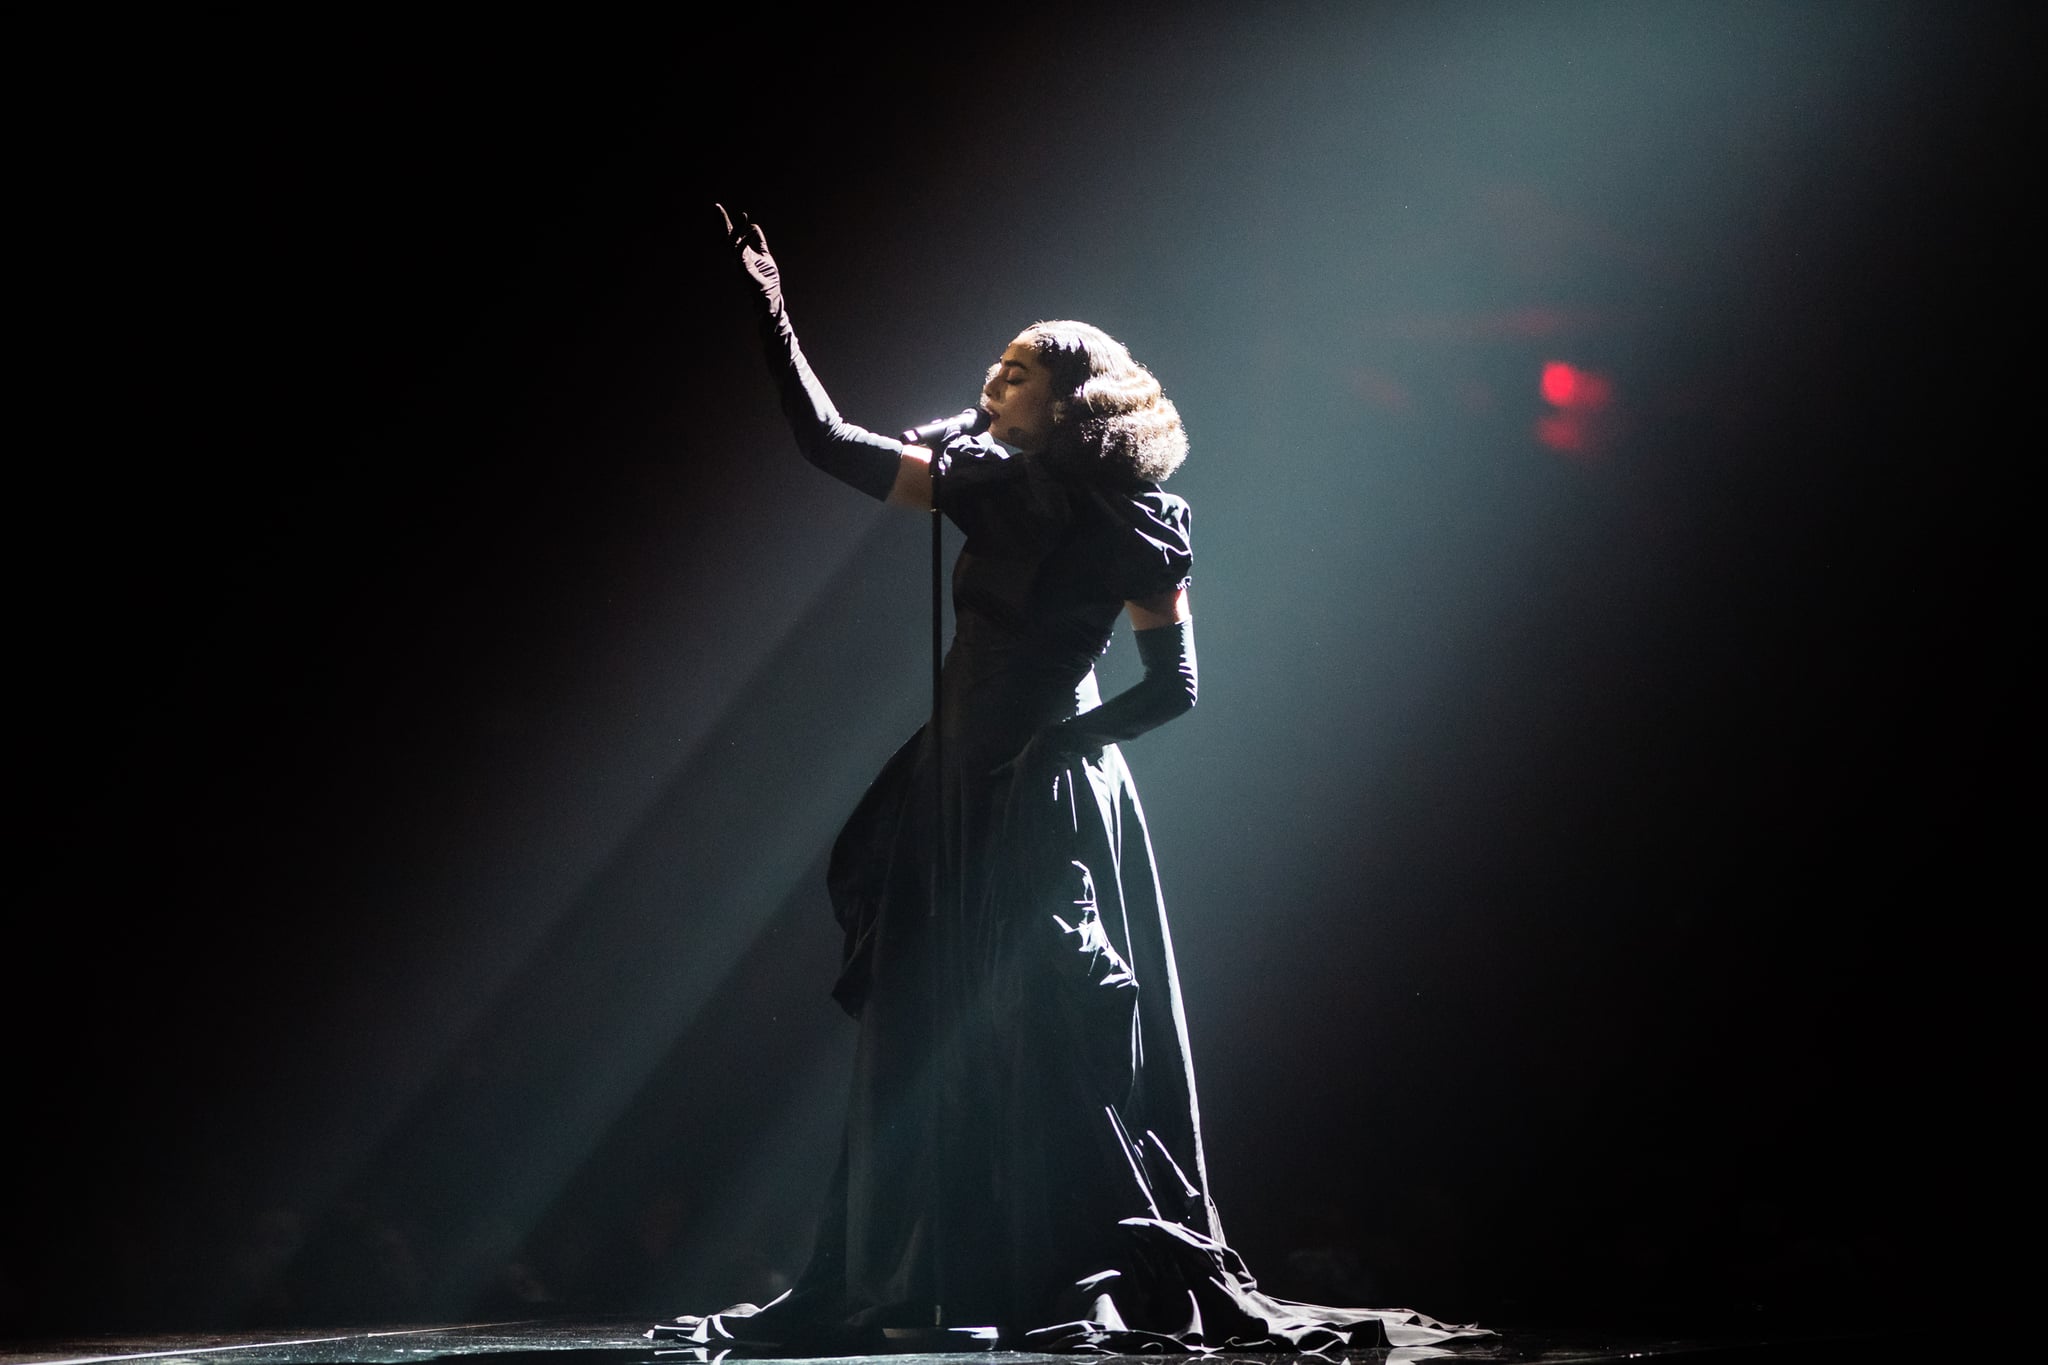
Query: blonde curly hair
(1110,417)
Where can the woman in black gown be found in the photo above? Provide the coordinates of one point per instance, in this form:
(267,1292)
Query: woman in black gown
(1023,1145)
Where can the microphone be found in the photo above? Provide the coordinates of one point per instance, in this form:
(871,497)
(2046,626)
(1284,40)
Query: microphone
(937,432)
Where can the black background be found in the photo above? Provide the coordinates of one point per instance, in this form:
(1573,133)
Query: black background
(443,681)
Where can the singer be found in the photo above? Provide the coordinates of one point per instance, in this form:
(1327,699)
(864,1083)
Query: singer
(1022,1146)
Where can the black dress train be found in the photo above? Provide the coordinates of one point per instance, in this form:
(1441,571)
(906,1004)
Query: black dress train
(1023,1145)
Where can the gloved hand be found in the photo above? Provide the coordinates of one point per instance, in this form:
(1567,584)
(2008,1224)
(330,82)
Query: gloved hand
(1167,690)
(750,244)
(849,453)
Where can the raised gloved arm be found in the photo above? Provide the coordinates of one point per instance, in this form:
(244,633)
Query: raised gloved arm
(852,454)
(1167,690)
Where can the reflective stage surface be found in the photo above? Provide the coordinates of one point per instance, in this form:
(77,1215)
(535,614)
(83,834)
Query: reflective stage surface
(621,1342)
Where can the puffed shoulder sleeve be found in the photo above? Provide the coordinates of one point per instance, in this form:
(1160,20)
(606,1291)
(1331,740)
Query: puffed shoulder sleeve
(997,498)
(1155,554)
(968,466)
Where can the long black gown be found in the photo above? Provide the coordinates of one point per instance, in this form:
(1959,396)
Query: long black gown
(1023,1145)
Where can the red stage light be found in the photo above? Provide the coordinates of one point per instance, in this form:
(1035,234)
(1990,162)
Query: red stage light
(1560,383)
(1575,429)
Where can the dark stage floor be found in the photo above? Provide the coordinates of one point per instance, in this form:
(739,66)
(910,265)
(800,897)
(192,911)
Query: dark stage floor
(619,1342)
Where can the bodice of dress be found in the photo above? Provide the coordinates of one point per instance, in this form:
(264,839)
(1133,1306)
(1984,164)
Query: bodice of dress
(1050,559)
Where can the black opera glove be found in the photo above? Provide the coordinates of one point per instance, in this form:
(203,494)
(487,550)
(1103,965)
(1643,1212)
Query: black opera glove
(848,453)
(1167,690)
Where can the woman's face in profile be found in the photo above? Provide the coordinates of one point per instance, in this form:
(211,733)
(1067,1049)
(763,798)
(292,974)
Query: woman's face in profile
(1018,398)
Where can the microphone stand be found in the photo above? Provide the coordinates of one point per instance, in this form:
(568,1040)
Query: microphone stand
(940,972)
(942,938)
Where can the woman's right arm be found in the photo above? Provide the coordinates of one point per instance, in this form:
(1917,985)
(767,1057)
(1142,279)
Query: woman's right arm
(879,466)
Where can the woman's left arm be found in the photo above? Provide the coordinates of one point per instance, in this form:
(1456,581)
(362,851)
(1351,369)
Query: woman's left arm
(1165,609)
(1165,632)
